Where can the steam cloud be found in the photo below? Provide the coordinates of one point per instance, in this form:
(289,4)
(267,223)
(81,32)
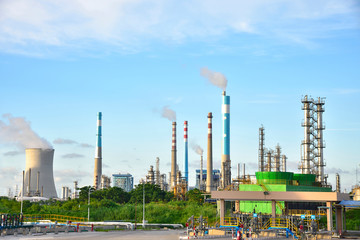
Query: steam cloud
(215,78)
(197,149)
(18,131)
(168,113)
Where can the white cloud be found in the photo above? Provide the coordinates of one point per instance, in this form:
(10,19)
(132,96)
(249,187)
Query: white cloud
(30,26)
(72,155)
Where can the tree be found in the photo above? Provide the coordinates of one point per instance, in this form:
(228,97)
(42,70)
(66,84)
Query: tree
(153,193)
(195,196)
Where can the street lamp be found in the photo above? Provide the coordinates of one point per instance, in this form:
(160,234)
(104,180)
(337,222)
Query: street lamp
(90,190)
(143,205)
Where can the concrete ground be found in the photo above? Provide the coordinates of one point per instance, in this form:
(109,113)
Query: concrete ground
(123,235)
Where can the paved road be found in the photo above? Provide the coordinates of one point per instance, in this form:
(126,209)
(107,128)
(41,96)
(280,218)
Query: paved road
(123,235)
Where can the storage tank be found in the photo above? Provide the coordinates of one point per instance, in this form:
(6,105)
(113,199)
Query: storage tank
(39,172)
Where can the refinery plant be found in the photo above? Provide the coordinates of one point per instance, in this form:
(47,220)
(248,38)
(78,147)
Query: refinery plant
(255,200)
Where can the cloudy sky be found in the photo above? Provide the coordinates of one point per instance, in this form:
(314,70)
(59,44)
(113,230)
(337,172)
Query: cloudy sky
(61,62)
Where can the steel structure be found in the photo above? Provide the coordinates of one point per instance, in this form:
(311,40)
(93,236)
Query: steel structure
(312,156)
(98,155)
(261,149)
(225,157)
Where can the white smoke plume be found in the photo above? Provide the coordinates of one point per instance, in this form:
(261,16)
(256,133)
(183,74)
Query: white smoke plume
(216,78)
(18,131)
(168,113)
(197,149)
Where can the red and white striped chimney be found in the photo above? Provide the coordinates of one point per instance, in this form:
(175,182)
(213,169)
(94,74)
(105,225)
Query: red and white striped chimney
(173,157)
(209,169)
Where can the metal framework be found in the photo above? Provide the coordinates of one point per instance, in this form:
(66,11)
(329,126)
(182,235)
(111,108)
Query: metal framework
(312,157)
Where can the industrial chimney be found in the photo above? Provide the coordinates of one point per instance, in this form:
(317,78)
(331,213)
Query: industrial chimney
(186,152)
(173,158)
(225,157)
(39,162)
(209,184)
(98,156)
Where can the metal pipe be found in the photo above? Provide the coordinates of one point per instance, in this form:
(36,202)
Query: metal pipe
(186,152)
(225,157)
(37,184)
(29,173)
(173,158)
(209,177)
(98,155)
(261,149)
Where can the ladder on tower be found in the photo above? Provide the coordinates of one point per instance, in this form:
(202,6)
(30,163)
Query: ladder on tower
(266,190)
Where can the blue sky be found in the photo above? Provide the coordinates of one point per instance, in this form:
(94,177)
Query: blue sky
(63,61)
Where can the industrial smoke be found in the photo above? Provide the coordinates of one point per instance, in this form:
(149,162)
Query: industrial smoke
(216,78)
(168,113)
(18,131)
(197,149)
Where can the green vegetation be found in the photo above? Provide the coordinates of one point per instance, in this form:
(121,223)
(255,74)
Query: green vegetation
(116,204)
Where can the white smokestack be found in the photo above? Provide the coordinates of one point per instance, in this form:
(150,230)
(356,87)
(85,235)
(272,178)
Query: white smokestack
(216,78)
(18,131)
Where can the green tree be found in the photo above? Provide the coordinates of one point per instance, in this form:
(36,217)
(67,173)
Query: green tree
(195,196)
(153,193)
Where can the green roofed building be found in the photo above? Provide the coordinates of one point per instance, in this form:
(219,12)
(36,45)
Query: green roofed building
(281,182)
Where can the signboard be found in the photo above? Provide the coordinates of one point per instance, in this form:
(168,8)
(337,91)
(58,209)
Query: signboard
(313,217)
(302,216)
(255,215)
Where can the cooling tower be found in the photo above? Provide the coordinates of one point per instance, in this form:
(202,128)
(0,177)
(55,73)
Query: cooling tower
(98,156)
(39,172)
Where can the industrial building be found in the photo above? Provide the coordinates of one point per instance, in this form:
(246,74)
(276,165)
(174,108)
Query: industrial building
(215,179)
(274,190)
(124,181)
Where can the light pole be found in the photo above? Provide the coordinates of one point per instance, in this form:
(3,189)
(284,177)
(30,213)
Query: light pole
(143,205)
(89,204)
(22,192)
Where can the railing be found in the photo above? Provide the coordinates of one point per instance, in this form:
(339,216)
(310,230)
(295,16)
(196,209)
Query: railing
(306,212)
(52,217)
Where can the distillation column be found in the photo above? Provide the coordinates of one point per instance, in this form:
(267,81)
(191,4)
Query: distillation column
(305,169)
(261,149)
(283,163)
(157,172)
(320,143)
(277,158)
(173,158)
(225,157)
(268,161)
(98,155)
(209,184)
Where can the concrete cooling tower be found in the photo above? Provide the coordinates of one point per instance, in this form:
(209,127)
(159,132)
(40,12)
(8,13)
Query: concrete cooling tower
(39,178)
